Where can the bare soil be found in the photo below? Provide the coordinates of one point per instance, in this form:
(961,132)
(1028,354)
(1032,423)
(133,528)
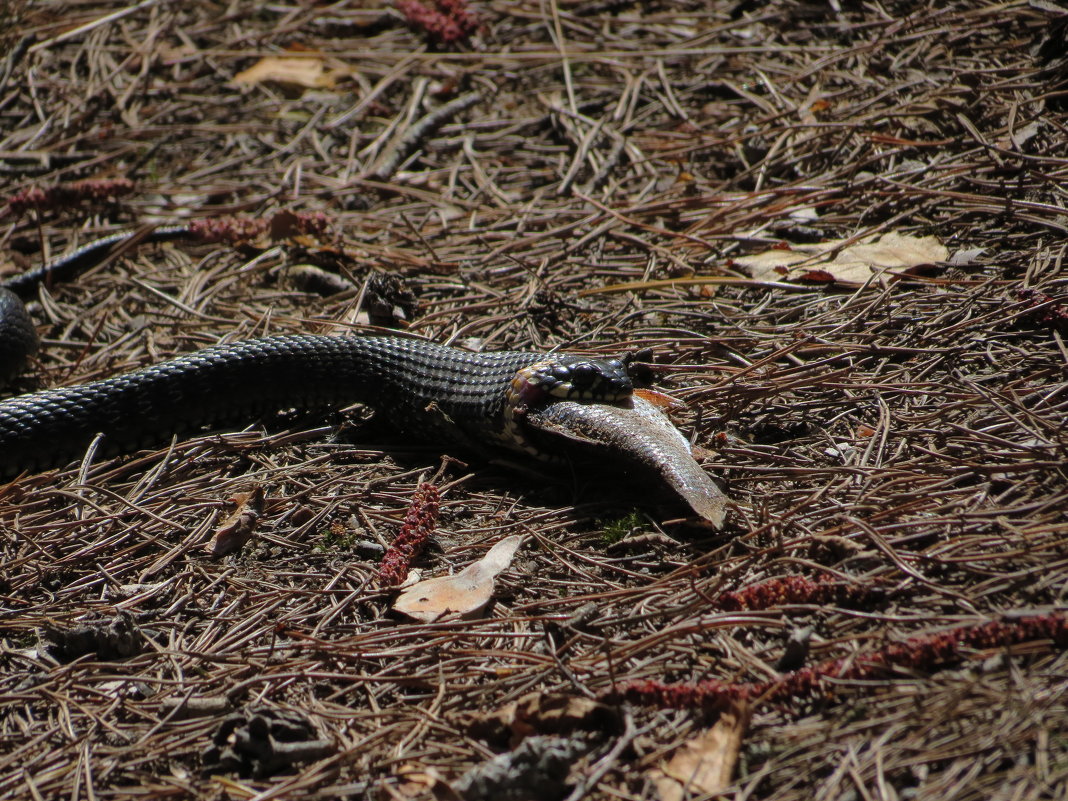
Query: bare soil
(575,175)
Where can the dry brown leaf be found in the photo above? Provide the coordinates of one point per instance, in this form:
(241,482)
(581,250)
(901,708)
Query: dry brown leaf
(543,713)
(703,765)
(237,528)
(660,400)
(853,265)
(420,781)
(308,71)
(464,594)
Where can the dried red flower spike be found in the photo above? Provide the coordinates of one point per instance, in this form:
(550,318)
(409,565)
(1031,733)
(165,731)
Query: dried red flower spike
(230,230)
(925,652)
(241,230)
(795,590)
(418,527)
(447,22)
(63,195)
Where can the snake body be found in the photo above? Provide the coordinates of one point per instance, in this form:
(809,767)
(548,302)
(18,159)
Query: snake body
(430,391)
(18,339)
(436,393)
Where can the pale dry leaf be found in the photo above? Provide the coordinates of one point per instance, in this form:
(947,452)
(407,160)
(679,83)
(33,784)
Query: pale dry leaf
(966,258)
(704,764)
(1025,135)
(308,71)
(463,594)
(772,265)
(806,213)
(854,265)
(236,529)
(898,251)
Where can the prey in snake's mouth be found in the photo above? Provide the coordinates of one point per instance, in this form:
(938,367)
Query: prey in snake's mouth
(569,405)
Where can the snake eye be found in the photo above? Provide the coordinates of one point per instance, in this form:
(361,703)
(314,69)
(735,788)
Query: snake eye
(583,375)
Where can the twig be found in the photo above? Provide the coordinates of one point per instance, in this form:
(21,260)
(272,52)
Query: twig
(409,140)
(73,33)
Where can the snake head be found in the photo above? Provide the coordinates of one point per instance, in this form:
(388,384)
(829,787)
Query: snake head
(561,377)
(576,378)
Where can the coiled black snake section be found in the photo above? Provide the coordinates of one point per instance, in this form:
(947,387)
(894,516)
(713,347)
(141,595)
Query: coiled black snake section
(18,339)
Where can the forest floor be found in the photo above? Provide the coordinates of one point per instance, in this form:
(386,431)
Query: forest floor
(882,616)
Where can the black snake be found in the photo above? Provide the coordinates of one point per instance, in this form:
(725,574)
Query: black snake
(432,391)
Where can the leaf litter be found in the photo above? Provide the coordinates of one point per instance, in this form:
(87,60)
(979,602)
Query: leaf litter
(598,221)
(307,71)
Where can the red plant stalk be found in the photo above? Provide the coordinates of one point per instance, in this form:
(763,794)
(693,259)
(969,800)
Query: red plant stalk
(418,527)
(796,590)
(924,652)
(63,195)
(1049,313)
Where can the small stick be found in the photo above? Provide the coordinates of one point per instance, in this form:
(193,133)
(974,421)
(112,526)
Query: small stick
(405,144)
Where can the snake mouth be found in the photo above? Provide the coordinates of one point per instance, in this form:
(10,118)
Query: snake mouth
(563,378)
(573,378)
